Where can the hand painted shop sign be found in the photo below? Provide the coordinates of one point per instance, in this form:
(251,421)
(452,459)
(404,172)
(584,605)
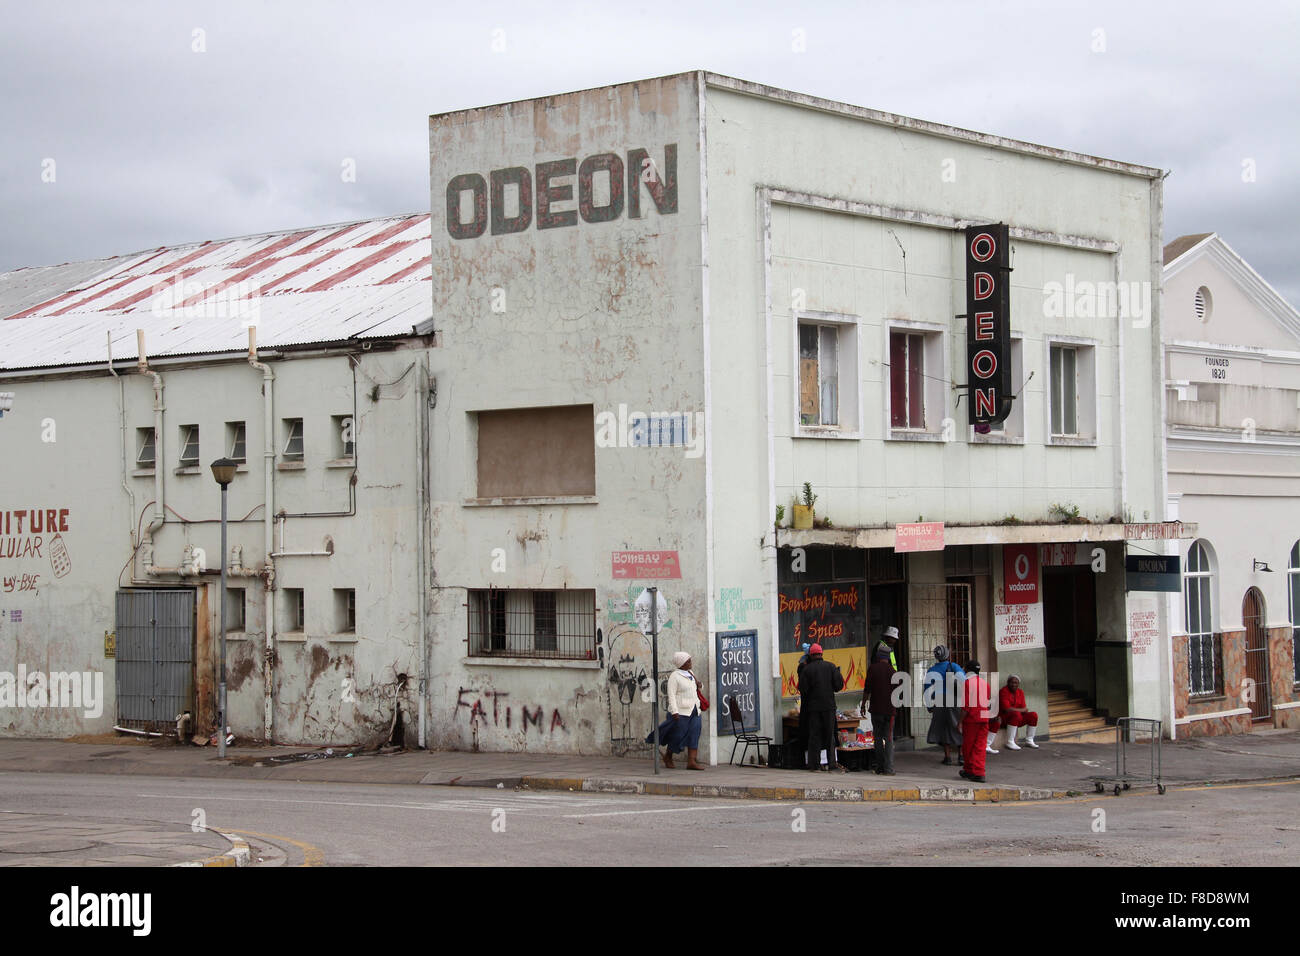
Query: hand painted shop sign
(988,323)
(1018,627)
(1020,573)
(737,670)
(540,192)
(922,536)
(646,564)
(1152,572)
(1158,531)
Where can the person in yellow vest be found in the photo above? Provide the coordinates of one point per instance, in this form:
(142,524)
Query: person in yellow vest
(889,641)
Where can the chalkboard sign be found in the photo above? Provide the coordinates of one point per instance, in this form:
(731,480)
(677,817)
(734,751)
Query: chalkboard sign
(737,670)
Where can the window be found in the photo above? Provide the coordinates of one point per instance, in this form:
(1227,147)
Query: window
(1293,595)
(236,442)
(345,445)
(189,446)
(345,611)
(145,442)
(915,398)
(523,623)
(906,380)
(293,439)
(537,452)
(234,609)
(1011,430)
(294,609)
(1204,669)
(1072,393)
(827,374)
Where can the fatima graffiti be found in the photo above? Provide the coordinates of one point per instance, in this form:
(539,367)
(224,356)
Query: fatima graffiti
(503,714)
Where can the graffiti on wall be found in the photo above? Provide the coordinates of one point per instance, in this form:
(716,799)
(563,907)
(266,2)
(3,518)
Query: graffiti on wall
(34,534)
(502,714)
(733,609)
(620,608)
(629,666)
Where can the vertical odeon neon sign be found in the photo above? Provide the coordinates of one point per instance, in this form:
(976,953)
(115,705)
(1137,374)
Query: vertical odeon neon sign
(988,323)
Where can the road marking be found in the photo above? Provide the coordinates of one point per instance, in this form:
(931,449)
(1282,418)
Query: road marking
(623,813)
(487,803)
(311,855)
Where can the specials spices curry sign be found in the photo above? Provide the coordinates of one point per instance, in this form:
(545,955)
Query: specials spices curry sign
(737,670)
(988,323)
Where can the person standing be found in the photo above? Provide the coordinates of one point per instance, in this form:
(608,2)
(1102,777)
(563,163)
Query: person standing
(941,696)
(1014,713)
(682,725)
(818,683)
(975,722)
(889,641)
(878,700)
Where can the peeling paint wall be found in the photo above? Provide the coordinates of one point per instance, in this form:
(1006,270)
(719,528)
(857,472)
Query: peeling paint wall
(330,687)
(594,300)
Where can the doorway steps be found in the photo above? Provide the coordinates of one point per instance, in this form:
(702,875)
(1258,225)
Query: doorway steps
(1074,722)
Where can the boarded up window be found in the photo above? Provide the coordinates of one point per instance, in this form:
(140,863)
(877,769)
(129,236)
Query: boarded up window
(537,452)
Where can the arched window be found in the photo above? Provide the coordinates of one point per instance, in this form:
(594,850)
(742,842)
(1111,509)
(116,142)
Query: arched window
(1204,668)
(1293,595)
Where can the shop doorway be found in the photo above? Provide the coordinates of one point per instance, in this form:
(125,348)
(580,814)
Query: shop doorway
(1070,629)
(155,657)
(1257,692)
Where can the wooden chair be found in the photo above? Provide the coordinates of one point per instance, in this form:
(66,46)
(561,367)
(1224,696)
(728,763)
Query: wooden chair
(743,736)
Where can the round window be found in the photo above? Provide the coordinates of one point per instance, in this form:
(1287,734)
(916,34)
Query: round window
(1204,304)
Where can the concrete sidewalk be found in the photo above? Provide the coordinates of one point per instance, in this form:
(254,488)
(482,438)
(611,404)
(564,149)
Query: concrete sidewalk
(1054,770)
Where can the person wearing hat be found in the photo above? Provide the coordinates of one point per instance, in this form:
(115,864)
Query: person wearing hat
(941,693)
(681,727)
(819,680)
(878,700)
(975,722)
(889,641)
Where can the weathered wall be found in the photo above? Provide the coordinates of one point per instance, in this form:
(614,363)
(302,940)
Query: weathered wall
(584,304)
(60,622)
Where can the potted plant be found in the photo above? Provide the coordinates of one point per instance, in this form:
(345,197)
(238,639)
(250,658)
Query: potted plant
(803,513)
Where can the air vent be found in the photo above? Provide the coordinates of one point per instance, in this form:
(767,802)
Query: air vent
(1204,304)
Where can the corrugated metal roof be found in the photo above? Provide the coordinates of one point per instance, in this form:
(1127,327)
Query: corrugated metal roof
(327,284)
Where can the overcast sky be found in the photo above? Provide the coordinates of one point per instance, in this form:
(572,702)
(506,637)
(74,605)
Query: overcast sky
(169,122)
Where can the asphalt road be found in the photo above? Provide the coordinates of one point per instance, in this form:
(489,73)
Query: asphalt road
(374,825)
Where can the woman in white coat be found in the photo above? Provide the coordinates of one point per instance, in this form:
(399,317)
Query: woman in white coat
(682,725)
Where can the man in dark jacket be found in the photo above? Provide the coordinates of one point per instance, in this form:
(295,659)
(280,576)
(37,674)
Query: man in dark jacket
(879,692)
(818,681)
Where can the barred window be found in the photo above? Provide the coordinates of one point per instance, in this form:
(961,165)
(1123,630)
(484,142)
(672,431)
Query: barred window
(1293,596)
(1204,665)
(532,623)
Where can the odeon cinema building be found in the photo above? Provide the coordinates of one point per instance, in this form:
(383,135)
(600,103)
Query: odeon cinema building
(689,356)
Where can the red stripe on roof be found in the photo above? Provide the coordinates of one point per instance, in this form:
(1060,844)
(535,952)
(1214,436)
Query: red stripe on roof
(391,231)
(330,238)
(361,266)
(132,300)
(226,283)
(90,298)
(271,250)
(301,269)
(46,304)
(203,250)
(414,267)
(162,250)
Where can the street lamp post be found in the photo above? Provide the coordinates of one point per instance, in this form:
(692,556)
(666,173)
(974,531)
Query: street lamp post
(223,470)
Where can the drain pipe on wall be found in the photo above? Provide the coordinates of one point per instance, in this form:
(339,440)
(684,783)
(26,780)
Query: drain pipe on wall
(159,510)
(268,471)
(422,502)
(121,412)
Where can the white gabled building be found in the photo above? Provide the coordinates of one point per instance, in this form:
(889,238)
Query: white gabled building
(1232,371)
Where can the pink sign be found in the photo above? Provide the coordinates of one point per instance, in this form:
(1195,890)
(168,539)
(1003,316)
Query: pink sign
(646,564)
(925,536)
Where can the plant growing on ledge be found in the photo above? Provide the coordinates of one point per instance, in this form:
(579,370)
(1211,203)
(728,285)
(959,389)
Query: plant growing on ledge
(821,522)
(780,515)
(803,513)
(1011,519)
(1068,514)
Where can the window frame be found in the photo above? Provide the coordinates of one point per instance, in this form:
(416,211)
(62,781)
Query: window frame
(236,609)
(1011,431)
(189,435)
(1201,581)
(494,616)
(344,450)
(295,610)
(1293,604)
(848,388)
(289,426)
(1085,391)
(236,435)
(146,438)
(345,611)
(935,374)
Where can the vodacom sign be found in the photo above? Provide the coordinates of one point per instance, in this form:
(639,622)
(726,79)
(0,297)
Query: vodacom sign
(1020,573)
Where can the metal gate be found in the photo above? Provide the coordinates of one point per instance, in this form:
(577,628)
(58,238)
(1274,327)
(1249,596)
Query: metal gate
(155,656)
(1252,615)
(936,614)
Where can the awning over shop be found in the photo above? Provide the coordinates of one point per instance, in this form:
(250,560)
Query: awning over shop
(954,535)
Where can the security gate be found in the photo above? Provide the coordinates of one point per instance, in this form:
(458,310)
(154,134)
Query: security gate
(155,656)
(1252,615)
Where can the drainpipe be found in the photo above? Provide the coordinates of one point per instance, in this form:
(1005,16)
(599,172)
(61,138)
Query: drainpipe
(268,470)
(121,412)
(422,503)
(281,553)
(159,510)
